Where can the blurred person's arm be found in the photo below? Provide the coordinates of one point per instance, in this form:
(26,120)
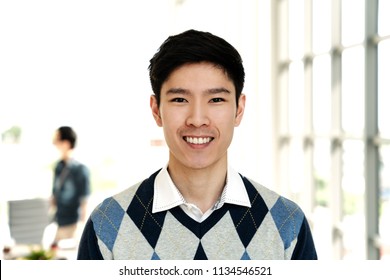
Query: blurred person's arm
(52,207)
(83,210)
(53,201)
(85,192)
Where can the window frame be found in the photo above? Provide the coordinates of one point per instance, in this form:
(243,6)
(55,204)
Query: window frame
(370,136)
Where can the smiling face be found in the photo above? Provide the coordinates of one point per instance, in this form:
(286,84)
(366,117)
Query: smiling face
(198,113)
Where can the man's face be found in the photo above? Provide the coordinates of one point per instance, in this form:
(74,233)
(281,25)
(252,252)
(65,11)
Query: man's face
(198,113)
(62,145)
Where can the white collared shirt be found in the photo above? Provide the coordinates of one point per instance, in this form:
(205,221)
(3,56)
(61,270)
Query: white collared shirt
(168,196)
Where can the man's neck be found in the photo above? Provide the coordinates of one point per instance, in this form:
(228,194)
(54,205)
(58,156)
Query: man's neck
(202,187)
(67,156)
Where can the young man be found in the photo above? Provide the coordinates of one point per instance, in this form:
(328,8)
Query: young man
(197,207)
(71,186)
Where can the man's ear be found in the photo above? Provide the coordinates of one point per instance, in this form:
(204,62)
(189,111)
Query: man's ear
(155,110)
(240,109)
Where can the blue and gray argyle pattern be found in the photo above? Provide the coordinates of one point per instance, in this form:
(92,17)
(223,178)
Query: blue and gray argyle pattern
(124,227)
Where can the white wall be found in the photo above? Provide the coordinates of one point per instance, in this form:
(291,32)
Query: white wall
(84,64)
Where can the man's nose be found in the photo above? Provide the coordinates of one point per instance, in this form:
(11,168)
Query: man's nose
(198,116)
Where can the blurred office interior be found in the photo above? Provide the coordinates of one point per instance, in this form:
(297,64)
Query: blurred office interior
(316,122)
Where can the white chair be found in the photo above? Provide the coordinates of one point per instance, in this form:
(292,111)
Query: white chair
(28,219)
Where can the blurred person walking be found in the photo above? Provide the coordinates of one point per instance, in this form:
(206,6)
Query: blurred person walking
(71,186)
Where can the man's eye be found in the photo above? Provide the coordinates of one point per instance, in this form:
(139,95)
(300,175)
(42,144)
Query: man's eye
(178,100)
(216,100)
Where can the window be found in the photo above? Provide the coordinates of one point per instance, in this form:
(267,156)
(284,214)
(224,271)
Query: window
(331,90)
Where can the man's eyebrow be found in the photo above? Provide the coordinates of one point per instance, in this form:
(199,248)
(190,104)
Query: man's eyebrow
(177,91)
(218,90)
(208,91)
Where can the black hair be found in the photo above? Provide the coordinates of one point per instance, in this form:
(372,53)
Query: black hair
(66,133)
(194,46)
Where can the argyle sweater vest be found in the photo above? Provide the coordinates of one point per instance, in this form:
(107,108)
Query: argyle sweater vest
(124,227)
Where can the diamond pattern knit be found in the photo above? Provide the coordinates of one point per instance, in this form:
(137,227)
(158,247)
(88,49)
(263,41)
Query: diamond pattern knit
(124,227)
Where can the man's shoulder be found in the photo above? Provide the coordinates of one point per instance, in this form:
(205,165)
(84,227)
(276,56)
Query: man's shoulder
(286,214)
(275,202)
(78,166)
(123,198)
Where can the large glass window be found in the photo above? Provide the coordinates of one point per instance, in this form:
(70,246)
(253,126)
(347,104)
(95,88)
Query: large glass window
(296,29)
(384,206)
(296,98)
(352,93)
(322,189)
(352,184)
(337,120)
(352,22)
(383,18)
(322,94)
(384,87)
(321,26)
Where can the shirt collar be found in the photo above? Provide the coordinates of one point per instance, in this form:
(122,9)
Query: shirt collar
(167,196)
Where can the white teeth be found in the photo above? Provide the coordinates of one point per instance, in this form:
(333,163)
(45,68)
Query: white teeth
(198,141)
